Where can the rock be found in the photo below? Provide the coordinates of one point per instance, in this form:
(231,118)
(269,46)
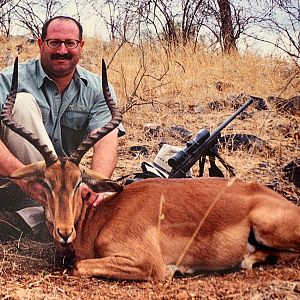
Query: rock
(292,172)
(295,102)
(290,106)
(152,129)
(195,109)
(216,105)
(138,150)
(238,100)
(180,132)
(222,86)
(259,103)
(237,141)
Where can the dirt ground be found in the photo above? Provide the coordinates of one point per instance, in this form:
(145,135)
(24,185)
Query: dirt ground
(33,270)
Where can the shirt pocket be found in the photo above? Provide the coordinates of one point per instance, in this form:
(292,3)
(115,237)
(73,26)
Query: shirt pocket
(75,120)
(73,129)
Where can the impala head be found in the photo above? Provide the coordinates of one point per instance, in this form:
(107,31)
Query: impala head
(62,177)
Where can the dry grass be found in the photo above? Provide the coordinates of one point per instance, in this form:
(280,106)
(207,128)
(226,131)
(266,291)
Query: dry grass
(162,88)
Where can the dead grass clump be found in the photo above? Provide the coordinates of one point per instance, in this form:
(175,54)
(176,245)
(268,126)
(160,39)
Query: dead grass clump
(189,89)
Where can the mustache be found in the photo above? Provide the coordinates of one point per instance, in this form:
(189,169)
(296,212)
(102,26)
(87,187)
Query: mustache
(59,56)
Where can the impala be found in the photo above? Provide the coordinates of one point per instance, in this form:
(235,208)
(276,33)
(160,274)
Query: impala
(152,228)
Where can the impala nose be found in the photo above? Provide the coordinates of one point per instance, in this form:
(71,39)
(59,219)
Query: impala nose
(65,234)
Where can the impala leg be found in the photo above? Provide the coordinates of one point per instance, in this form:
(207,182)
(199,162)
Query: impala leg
(118,268)
(277,227)
(261,256)
(276,234)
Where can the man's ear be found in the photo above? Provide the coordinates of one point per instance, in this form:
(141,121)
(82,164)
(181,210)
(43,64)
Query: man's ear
(99,183)
(81,44)
(40,42)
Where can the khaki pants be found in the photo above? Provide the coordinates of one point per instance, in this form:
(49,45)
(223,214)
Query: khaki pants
(27,112)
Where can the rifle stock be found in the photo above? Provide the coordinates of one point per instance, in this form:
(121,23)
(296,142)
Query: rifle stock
(200,146)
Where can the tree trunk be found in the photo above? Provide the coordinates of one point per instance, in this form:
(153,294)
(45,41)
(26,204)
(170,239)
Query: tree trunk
(227,32)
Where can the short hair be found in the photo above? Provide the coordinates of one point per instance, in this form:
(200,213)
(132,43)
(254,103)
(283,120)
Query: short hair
(47,23)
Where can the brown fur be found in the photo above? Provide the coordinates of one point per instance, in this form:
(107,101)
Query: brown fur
(156,226)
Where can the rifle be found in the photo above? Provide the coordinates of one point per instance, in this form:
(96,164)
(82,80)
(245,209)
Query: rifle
(204,144)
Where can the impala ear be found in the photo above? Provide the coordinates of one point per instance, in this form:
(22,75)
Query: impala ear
(29,172)
(99,183)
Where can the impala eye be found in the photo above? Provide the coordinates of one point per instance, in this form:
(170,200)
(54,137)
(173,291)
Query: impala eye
(45,185)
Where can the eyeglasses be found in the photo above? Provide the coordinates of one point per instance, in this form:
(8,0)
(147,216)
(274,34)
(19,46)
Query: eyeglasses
(70,44)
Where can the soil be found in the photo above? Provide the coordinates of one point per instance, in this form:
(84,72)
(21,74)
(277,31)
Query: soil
(33,270)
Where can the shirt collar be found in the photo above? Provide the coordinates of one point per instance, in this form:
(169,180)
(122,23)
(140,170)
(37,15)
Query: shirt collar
(41,75)
(81,75)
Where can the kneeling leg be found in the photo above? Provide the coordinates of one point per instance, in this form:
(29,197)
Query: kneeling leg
(118,267)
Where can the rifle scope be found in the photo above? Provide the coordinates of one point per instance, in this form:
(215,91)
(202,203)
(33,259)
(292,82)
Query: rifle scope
(200,137)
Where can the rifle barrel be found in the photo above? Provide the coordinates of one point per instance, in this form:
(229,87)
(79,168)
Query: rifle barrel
(182,165)
(233,116)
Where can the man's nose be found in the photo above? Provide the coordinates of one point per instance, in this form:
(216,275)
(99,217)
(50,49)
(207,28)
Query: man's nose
(62,49)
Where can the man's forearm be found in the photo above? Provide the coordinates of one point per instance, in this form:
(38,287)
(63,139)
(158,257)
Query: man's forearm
(8,162)
(105,154)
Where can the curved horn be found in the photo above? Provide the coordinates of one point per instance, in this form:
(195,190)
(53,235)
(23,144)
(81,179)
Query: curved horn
(7,119)
(116,119)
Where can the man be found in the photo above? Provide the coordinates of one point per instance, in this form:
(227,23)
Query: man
(69,102)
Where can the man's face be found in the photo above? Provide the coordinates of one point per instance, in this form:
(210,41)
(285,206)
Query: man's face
(61,61)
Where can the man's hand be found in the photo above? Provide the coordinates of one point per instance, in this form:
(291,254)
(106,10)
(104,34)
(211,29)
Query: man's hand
(34,190)
(91,197)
